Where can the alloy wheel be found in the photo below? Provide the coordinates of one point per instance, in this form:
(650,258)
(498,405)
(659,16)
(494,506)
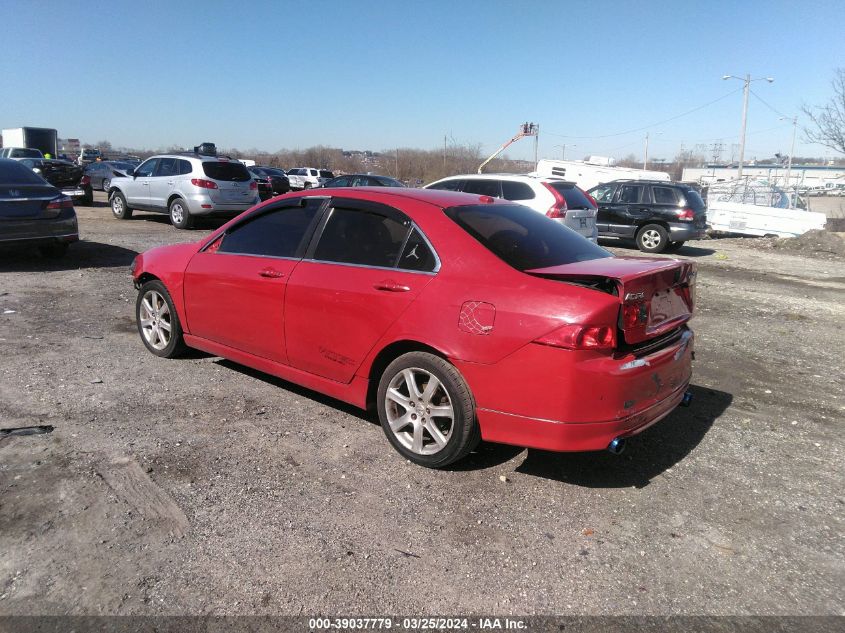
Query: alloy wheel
(156,321)
(419,411)
(117,205)
(651,239)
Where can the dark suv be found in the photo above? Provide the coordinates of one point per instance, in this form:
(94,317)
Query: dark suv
(659,215)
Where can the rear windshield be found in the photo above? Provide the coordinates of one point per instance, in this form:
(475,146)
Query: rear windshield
(274,172)
(575,198)
(13,173)
(324,173)
(226,171)
(524,238)
(694,200)
(25,153)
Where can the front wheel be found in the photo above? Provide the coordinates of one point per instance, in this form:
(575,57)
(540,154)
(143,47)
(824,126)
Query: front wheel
(119,208)
(158,322)
(427,410)
(307,185)
(652,238)
(180,217)
(106,184)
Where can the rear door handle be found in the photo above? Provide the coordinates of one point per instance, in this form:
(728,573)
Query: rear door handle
(170,182)
(391,286)
(272,273)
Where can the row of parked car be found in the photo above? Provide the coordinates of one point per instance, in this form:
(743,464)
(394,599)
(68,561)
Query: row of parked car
(659,216)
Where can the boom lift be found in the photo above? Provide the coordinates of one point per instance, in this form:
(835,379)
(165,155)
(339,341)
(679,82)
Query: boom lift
(526,129)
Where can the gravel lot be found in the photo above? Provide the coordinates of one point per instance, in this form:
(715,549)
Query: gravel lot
(198,486)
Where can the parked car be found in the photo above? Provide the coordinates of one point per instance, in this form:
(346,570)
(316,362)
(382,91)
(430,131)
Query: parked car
(102,172)
(65,176)
(457,317)
(660,216)
(88,156)
(33,212)
(362,180)
(271,181)
(308,177)
(558,199)
(20,152)
(186,186)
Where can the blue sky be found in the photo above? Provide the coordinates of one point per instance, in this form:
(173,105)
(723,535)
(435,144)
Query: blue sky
(376,75)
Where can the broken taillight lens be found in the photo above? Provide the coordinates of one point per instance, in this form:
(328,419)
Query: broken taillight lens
(685,215)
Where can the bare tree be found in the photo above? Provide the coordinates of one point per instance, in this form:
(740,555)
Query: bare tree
(828,120)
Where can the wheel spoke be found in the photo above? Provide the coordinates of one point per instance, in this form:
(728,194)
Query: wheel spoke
(399,423)
(435,434)
(394,395)
(146,322)
(164,325)
(418,438)
(430,388)
(147,305)
(442,411)
(411,383)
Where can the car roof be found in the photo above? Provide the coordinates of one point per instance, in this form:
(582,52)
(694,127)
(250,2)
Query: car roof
(530,178)
(437,197)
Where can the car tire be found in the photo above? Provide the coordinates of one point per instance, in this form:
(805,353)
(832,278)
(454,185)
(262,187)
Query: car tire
(180,217)
(307,185)
(406,399)
(119,208)
(154,314)
(674,247)
(88,199)
(652,238)
(53,251)
(106,184)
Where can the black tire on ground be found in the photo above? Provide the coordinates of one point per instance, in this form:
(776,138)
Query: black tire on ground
(119,208)
(652,238)
(149,294)
(88,198)
(465,433)
(180,217)
(674,247)
(53,251)
(307,185)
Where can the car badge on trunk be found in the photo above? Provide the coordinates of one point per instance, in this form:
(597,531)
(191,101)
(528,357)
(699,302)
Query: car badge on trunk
(14,193)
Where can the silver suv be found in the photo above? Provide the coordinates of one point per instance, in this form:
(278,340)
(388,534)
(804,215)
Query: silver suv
(184,185)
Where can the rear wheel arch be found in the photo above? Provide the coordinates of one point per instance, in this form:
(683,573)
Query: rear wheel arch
(386,356)
(173,197)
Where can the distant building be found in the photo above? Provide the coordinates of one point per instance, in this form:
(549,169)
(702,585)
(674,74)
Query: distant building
(801,175)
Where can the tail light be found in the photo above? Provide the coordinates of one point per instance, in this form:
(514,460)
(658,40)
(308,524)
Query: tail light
(61,203)
(203,183)
(558,209)
(254,185)
(576,336)
(634,314)
(687,214)
(86,180)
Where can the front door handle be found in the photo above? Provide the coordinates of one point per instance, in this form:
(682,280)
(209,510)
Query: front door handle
(272,273)
(391,286)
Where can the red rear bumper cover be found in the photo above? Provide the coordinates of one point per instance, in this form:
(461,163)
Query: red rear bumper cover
(556,400)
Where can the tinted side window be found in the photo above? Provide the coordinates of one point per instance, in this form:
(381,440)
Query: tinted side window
(484,187)
(516,190)
(343,181)
(147,168)
(665,195)
(603,193)
(630,193)
(360,237)
(166,167)
(185,167)
(447,185)
(274,234)
(417,255)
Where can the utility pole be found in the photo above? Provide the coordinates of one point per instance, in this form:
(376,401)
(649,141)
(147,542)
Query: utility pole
(645,154)
(746,88)
(789,162)
(536,144)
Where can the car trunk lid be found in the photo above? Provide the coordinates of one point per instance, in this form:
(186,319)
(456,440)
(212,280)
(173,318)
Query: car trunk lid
(20,202)
(655,295)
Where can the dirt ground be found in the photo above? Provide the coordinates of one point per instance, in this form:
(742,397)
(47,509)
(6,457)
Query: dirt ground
(197,486)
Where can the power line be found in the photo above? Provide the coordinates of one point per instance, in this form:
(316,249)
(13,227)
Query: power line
(772,108)
(646,127)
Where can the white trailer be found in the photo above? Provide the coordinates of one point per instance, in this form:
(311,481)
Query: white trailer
(42,138)
(752,219)
(587,175)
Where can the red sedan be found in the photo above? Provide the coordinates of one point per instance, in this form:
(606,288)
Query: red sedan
(457,317)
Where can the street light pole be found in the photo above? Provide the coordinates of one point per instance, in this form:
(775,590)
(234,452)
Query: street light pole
(645,154)
(745,90)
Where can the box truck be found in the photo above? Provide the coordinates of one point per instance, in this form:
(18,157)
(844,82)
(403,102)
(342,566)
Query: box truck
(41,138)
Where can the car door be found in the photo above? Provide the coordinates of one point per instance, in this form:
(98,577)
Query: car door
(349,289)
(603,195)
(162,182)
(234,288)
(625,209)
(137,189)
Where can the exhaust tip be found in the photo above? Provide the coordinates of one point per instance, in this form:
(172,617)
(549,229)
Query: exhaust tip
(687,399)
(616,446)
